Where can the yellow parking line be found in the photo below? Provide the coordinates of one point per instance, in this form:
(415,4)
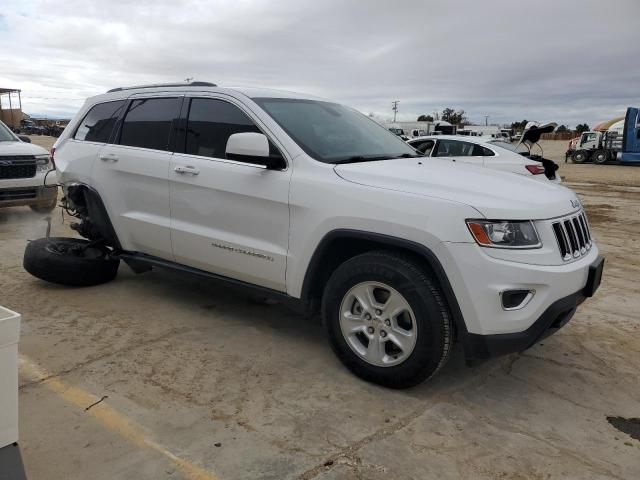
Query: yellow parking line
(107,416)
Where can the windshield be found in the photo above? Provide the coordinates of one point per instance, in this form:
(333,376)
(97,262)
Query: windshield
(333,133)
(6,135)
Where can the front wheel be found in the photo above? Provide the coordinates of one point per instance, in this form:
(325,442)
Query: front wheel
(387,320)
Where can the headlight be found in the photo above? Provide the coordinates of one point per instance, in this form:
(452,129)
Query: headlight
(504,234)
(43,163)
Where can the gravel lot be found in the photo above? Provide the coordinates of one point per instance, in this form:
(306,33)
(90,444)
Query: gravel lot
(197,380)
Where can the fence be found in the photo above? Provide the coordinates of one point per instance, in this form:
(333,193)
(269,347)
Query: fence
(560,135)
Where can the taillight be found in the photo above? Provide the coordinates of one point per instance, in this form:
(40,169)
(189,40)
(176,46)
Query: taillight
(52,153)
(535,169)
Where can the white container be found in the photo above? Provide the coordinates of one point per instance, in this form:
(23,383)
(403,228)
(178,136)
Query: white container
(9,336)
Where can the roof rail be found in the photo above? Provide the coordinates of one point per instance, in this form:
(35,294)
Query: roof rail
(155,85)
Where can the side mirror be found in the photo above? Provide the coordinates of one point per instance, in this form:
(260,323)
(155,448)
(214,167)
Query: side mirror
(24,138)
(253,147)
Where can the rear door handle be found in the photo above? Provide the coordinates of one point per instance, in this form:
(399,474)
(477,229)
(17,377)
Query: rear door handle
(109,157)
(186,169)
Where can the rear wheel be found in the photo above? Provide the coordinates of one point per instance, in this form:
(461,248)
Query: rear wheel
(69,261)
(580,156)
(600,157)
(386,319)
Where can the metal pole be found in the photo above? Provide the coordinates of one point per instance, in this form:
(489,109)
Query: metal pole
(11,110)
(394,107)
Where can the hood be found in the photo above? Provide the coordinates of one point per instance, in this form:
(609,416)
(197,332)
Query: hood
(20,148)
(496,195)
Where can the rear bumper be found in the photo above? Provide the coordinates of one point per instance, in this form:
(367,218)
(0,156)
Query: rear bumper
(38,196)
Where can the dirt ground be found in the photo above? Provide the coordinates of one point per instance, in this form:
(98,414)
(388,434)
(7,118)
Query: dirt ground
(196,380)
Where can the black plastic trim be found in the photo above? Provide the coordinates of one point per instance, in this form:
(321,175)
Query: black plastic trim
(395,242)
(481,347)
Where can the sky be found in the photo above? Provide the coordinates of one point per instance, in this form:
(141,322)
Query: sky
(569,62)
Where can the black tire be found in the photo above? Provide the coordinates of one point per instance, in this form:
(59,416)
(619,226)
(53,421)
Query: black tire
(434,327)
(600,157)
(580,156)
(59,260)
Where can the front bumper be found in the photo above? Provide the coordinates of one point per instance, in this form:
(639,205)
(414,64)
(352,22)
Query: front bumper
(27,196)
(480,347)
(556,316)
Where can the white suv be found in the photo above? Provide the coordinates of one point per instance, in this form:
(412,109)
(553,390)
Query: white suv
(23,168)
(313,202)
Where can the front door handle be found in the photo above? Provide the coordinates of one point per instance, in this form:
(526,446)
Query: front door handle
(108,157)
(186,169)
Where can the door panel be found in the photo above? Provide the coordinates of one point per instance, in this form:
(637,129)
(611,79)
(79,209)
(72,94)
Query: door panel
(134,184)
(227,217)
(132,176)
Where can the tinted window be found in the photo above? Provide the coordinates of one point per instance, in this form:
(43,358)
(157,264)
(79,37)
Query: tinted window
(330,132)
(453,148)
(99,122)
(423,146)
(148,123)
(209,125)
(480,151)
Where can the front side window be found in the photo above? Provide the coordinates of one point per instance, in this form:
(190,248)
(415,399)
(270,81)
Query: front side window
(98,123)
(210,124)
(6,135)
(147,123)
(333,133)
(424,146)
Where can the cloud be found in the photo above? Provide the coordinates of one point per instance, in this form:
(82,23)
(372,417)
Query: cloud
(567,62)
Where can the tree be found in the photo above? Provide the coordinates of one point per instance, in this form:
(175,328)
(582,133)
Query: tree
(582,127)
(562,129)
(453,117)
(425,118)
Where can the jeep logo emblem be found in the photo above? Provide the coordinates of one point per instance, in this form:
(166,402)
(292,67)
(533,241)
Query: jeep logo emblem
(575,203)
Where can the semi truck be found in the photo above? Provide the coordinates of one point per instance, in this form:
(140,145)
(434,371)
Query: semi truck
(621,142)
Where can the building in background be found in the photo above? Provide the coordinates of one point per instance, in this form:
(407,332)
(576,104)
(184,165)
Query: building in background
(11,107)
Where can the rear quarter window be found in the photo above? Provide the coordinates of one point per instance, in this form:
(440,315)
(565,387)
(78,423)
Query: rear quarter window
(98,123)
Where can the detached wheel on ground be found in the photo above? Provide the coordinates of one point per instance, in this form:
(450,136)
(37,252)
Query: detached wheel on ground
(580,156)
(387,320)
(600,156)
(69,261)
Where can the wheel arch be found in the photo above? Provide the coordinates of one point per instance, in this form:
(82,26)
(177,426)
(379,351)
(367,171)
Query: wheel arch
(86,196)
(339,245)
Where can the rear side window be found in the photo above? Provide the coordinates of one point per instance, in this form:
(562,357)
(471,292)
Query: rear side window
(211,123)
(480,151)
(98,124)
(147,123)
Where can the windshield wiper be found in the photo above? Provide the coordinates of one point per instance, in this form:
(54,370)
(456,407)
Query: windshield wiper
(361,158)
(372,158)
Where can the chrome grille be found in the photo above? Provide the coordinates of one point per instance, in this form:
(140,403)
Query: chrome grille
(573,236)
